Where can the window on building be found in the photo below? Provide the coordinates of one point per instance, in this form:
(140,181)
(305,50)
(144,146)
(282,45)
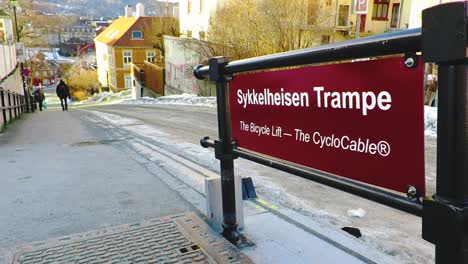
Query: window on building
(343,15)
(189,6)
(311,13)
(201,6)
(395,15)
(325,39)
(128,81)
(380,9)
(202,35)
(127,57)
(150,55)
(137,34)
(189,33)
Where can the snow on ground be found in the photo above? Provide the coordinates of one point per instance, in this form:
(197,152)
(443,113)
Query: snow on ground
(377,234)
(51,54)
(108,97)
(430,113)
(357,212)
(182,99)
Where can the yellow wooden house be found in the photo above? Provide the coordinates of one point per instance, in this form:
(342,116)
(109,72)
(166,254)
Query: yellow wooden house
(130,39)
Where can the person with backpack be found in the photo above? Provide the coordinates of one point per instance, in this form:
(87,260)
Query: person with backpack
(63,92)
(39,96)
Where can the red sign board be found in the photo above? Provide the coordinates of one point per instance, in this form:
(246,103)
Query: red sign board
(360,6)
(361,120)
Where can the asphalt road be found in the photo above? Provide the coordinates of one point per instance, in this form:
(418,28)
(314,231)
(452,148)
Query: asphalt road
(396,233)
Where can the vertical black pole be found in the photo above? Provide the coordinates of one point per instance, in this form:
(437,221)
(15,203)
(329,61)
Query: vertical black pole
(2,95)
(9,107)
(18,104)
(142,81)
(445,215)
(223,148)
(21,99)
(15,106)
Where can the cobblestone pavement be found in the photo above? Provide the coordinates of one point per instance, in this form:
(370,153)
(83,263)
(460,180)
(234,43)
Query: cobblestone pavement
(182,238)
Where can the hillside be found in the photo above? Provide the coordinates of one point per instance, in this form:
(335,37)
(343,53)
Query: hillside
(97,9)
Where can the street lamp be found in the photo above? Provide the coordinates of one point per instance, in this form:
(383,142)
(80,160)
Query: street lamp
(14,3)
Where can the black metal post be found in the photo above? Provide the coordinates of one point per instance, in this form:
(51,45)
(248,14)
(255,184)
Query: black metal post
(15,106)
(18,101)
(25,91)
(9,106)
(142,81)
(21,98)
(445,215)
(224,146)
(2,95)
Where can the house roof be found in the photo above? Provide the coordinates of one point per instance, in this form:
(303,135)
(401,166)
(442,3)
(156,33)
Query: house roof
(119,33)
(116,30)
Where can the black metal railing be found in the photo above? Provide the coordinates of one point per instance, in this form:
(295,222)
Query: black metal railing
(12,106)
(408,41)
(442,39)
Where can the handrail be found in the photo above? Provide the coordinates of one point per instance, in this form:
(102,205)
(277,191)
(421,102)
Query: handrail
(13,103)
(407,41)
(369,192)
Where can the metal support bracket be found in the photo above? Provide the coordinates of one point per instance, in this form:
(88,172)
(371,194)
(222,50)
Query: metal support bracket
(220,154)
(217,72)
(444,223)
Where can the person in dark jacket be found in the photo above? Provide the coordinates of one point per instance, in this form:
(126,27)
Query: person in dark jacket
(39,96)
(63,92)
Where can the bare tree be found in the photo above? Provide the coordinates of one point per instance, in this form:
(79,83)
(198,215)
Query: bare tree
(249,28)
(160,26)
(33,26)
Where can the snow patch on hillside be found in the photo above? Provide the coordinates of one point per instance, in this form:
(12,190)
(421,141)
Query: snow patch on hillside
(430,113)
(107,97)
(181,99)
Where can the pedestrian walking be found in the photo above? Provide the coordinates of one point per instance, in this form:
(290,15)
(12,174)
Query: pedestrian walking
(63,93)
(39,96)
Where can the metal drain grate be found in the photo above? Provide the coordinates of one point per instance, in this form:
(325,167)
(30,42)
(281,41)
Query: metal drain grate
(182,238)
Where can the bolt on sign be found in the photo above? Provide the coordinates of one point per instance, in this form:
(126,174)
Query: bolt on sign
(362,120)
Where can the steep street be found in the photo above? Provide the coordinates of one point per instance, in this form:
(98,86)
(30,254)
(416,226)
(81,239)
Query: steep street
(179,128)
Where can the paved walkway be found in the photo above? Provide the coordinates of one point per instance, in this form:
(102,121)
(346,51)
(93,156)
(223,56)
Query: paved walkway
(62,175)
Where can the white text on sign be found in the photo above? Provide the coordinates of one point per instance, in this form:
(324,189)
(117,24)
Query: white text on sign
(364,101)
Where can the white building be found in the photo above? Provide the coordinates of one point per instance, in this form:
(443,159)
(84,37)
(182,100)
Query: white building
(194,16)
(10,77)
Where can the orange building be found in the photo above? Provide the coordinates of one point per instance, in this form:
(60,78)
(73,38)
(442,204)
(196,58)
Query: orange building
(132,39)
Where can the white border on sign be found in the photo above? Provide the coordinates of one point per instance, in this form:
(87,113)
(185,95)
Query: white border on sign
(360,1)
